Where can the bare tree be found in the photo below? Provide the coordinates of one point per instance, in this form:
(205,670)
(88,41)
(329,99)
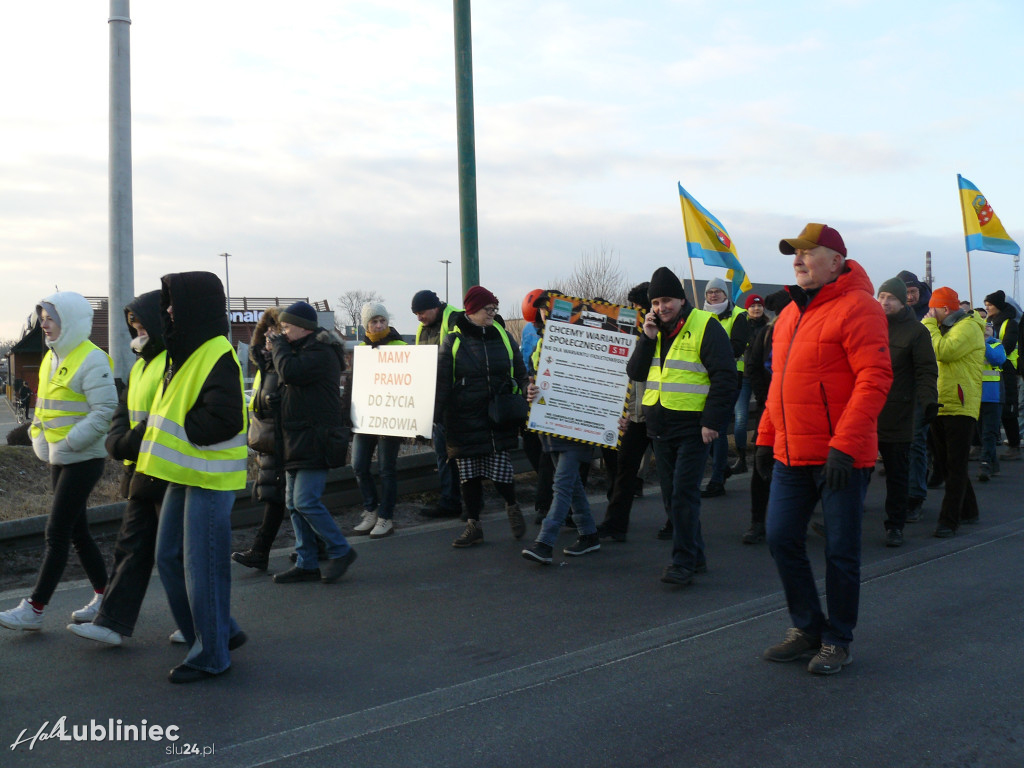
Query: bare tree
(6,344)
(596,275)
(351,304)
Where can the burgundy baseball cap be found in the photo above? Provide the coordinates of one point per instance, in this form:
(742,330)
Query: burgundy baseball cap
(813,236)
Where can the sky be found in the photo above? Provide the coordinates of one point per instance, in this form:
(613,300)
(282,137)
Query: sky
(317,145)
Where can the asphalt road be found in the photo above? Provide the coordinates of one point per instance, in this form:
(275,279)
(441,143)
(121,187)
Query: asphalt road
(428,656)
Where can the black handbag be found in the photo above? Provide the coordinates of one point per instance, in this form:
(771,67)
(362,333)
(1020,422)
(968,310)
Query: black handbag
(261,435)
(507,410)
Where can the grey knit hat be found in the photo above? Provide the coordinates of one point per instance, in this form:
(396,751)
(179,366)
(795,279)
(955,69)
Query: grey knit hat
(372,309)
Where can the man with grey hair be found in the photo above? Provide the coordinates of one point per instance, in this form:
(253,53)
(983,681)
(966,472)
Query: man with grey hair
(818,439)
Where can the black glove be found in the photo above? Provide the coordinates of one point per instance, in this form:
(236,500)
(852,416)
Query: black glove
(930,412)
(764,460)
(838,467)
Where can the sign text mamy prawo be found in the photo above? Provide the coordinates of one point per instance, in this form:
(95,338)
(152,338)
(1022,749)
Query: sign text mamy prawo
(393,389)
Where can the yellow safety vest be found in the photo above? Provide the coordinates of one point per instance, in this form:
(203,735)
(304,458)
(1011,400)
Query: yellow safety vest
(58,406)
(143,385)
(1012,357)
(508,348)
(727,324)
(166,451)
(680,381)
(255,390)
(445,320)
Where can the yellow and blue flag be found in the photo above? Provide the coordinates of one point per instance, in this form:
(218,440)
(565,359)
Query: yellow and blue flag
(982,229)
(707,240)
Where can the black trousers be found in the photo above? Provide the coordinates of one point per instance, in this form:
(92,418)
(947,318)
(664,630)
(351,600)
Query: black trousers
(1010,406)
(133,565)
(896,460)
(950,439)
(273,515)
(68,524)
(631,453)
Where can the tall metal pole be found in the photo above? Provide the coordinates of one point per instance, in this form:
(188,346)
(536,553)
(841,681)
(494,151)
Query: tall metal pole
(227,289)
(446,262)
(121,278)
(467,146)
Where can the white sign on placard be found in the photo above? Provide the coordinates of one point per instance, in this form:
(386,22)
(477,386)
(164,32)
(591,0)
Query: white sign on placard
(393,389)
(582,380)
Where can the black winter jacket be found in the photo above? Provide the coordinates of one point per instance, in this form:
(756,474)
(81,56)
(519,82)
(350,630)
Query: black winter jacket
(312,408)
(123,442)
(914,377)
(466,383)
(198,302)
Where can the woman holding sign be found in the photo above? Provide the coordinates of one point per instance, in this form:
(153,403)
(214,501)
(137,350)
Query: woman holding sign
(378,510)
(480,384)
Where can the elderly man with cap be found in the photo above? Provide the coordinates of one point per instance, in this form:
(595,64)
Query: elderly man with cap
(317,423)
(685,358)
(1004,321)
(958,338)
(831,377)
(913,383)
(734,320)
(437,320)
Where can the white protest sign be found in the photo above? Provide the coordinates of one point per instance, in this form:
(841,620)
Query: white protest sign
(582,380)
(393,389)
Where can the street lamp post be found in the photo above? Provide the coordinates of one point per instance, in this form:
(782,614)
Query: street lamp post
(446,262)
(227,289)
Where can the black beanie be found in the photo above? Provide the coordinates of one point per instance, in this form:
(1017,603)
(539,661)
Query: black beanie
(424,300)
(997,300)
(301,314)
(665,283)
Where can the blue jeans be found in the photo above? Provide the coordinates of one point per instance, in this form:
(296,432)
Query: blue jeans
(569,493)
(918,478)
(363,447)
(193,556)
(680,469)
(795,492)
(740,415)
(447,472)
(991,414)
(310,518)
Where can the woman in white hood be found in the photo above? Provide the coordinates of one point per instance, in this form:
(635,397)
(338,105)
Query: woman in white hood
(74,405)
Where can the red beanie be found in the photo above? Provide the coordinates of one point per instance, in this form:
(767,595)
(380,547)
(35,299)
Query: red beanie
(753,299)
(477,298)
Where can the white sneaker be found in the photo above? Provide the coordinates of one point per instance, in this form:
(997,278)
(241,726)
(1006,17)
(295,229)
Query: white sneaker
(88,613)
(177,636)
(366,524)
(23,617)
(384,527)
(97,633)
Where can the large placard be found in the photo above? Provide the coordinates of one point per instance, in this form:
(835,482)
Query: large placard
(581,372)
(393,389)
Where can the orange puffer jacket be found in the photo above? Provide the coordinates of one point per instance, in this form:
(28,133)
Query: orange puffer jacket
(831,373)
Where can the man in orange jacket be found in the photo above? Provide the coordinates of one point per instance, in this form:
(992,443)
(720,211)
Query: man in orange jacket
(832,374)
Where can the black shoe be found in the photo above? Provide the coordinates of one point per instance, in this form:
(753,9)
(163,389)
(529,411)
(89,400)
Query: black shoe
(605,533)
(739,467)
(335,567)
(539,552)
(583,545)
(944,532)
(984,472)
(250,558)
(237,640)
(184,674)
(712,489)
(754,534)
(440,512)
(914,511)
(796,644)
(676,574)
(665,532)
(294,575)
(894,537)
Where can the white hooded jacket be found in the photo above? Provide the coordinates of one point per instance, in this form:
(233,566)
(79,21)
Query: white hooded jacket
(94,379)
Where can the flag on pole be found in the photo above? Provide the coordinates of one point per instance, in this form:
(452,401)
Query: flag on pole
(982,229)
(707,240)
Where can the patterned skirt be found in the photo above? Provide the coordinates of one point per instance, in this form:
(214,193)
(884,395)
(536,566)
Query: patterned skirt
(496,467)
